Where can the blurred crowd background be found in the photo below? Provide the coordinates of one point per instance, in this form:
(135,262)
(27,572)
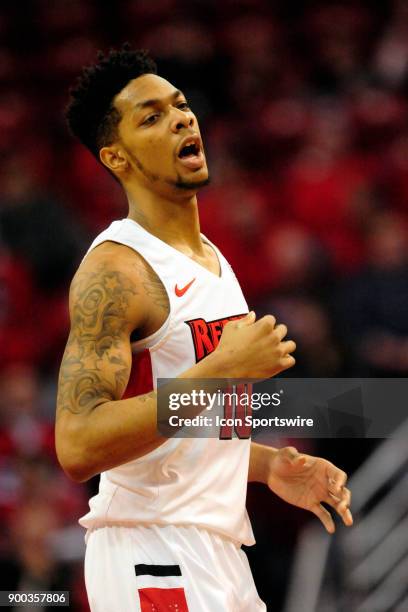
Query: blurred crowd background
(303,107)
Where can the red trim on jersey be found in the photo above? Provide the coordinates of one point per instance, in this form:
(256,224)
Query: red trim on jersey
(159,600)
(141,375)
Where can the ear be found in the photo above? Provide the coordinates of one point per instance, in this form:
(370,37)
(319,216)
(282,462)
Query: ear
(114,158)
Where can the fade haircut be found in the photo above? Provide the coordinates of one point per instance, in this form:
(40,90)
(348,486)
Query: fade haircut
(90,113)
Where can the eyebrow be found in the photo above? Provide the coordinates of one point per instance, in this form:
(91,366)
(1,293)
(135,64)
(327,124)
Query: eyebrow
(154,101)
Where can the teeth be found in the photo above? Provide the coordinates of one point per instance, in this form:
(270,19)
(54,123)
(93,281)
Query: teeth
(190,143)
(190,148)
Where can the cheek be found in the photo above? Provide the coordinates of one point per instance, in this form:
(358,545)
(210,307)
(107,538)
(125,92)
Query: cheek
(157,151)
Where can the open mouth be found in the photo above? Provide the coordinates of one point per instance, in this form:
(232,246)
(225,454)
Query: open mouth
(191,155)
(190,149)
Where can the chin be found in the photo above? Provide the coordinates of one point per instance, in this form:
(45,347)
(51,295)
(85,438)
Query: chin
(194,182)
(193,185)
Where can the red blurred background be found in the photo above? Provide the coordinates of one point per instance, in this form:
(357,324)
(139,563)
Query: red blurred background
(303,107)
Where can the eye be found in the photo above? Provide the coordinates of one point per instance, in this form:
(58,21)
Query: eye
(150,119)
(183,106)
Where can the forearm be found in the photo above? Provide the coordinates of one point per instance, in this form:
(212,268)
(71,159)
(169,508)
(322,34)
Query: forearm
(112,433)
(260,461)
(118,431)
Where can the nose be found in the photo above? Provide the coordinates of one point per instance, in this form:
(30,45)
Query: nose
(181,119)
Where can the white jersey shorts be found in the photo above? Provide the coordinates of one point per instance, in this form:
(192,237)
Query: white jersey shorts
(167,568)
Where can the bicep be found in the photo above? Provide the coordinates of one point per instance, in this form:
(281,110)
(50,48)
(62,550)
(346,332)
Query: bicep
(88,378)
(96,364)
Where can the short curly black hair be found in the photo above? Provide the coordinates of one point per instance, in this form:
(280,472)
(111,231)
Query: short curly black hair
(90,113)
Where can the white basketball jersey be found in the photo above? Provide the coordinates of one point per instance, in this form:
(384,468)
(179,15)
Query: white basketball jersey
(200,482)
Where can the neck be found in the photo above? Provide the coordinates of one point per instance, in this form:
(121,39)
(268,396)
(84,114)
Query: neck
(174,221)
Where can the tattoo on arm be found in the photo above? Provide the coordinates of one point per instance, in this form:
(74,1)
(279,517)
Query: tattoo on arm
(154,288)
(95,367)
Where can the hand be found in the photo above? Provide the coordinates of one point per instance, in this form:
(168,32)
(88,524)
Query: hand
(255,349)
(306,481)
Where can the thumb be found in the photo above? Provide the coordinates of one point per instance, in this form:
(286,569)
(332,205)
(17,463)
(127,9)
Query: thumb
(299,462)
(291,456)
(289,453)
(247,320)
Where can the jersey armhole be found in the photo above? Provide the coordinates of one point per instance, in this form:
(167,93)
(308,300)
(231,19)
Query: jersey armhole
(155,339)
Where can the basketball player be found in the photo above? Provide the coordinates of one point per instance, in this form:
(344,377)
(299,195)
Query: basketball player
(165,529)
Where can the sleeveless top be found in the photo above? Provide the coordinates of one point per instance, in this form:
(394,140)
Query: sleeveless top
(185,481)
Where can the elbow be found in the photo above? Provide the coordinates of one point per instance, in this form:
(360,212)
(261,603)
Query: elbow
(76,472)
(72,457)
(74,467)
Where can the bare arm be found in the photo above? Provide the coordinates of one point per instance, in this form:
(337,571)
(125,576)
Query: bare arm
(260,460)
(95,429)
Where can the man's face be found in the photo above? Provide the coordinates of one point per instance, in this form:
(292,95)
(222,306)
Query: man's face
(160,136)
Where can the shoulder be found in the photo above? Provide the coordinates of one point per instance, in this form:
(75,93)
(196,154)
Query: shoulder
(107,284)
(116,275)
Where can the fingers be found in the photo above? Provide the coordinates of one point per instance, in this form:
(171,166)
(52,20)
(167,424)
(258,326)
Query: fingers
(289,346)
(348,518)
(345,500)
(337,479)
(267,323)
(247,320)
(280,331)
(343,508)
(338,495)
(341,503)
(325,517)
(287,362)
(270,337)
